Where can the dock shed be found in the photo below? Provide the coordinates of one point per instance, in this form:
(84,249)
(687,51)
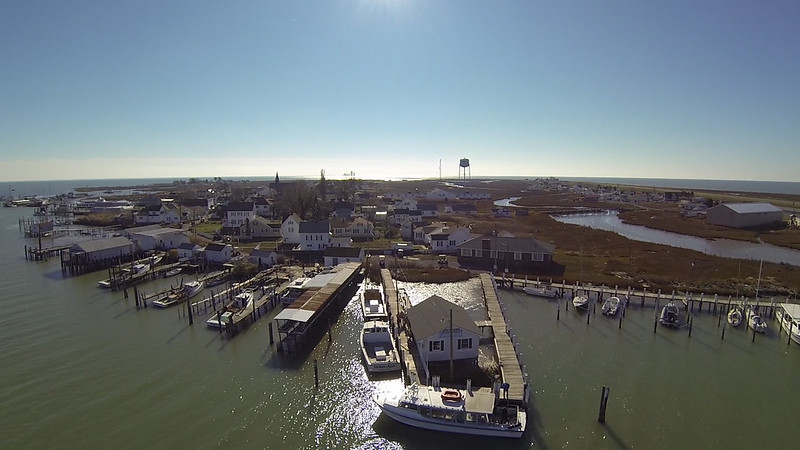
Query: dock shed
(99,250)
(744,215)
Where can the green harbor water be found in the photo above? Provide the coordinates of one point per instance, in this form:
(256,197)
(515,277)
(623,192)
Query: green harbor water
(83,368)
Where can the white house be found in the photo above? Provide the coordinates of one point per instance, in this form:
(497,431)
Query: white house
(218,253)
(262,206)
(188,251)
(314,236)
(261,228)
(158,238)
(441,195)
(428,209)
(337,241)
(430,326)
(238,214)
(358,228)
(290,229)
(160,213)
(338,255)
(401,215)
(447,239)
(406,203)
(263,258)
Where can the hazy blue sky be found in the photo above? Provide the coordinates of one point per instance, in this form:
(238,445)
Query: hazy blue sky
(672,89)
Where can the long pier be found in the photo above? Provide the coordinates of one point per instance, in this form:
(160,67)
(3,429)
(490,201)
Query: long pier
(514,381)
(652,298)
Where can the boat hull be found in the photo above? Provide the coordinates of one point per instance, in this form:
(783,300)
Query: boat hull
(412,418)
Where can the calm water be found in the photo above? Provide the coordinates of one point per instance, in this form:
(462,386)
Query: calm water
(726,248)
(82,368)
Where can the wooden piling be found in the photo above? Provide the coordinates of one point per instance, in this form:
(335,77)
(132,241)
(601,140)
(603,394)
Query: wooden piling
(271,339)
(316,374)
(601,417)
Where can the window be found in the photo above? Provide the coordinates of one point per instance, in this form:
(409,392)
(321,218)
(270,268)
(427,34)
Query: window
(464,343)
(537,257)
(518,256)
(436,346)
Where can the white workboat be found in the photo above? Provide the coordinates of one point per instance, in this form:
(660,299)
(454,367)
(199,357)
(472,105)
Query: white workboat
(186,292)
(242,303)
(788,315)
(670,315)
(373,303)
(541,290)
(455,411)
(377,347)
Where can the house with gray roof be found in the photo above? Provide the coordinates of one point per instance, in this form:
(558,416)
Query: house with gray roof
(502,252)
(314,235)
(430,325)
(334,256)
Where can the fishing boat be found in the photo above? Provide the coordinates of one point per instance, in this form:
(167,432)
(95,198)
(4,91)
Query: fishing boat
(294,290)
(172,272)
(377,347)
(242,303)
(454,411)
(218,279)
(670,315)
(581,301)
(105,284)
(735,316)
(180,295)
(755,321)
(788,315)
(541,290)
(373,303)
(611,306)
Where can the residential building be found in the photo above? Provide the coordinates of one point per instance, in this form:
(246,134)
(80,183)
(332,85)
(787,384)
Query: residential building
(158,238)
(218,253)
(238,214)
(514,254)
(314,236)
(263,258)
(339,255)
(290,229)
(430,325)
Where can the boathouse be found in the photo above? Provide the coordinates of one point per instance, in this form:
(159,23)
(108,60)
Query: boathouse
(337,255)
(744,215)
(101,250)
(430,325)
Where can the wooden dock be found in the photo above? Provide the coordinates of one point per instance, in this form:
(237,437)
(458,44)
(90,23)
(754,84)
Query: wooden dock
(511,374)
(312,312)
(397,303)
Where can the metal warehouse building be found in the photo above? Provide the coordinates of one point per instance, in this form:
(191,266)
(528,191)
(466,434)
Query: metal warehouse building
(744,215)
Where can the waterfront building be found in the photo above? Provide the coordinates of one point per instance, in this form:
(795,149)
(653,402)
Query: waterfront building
(334,256)
(430,325)
(744,215)
(516,254)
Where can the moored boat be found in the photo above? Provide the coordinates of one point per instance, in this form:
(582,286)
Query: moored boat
(735,316)
(670,315)
(377,347)
(184,293)
(755,321)
(788,315)
(294,290)
(581,301)
(541,290)
(241,303)
(612,305)
(454,411)
(373,303)
(172,272)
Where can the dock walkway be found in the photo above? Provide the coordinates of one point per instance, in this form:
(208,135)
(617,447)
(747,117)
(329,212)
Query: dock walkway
(510,368)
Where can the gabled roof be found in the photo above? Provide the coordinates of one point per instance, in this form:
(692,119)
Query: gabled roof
(188,246)
(152,208)
(343,252)
(409,212)
(315,227)
(192,202)
(101,244)
(463,207)
(270,223)
(240,206)
(752,208)
(432,315)
(427,207)
(153,232)
(216,247)
(513,244)
(261,253)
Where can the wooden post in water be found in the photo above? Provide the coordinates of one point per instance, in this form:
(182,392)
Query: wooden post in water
(136,296)
(316,375)
(791,324)
(644,296)
(620,319)
(690,325)
(189,311)
(724,325)
(271,339)
(603,404)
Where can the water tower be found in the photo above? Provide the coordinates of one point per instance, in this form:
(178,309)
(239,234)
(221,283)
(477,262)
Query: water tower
(463,167)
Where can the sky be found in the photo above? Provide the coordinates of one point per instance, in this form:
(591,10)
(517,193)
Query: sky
(399,89)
